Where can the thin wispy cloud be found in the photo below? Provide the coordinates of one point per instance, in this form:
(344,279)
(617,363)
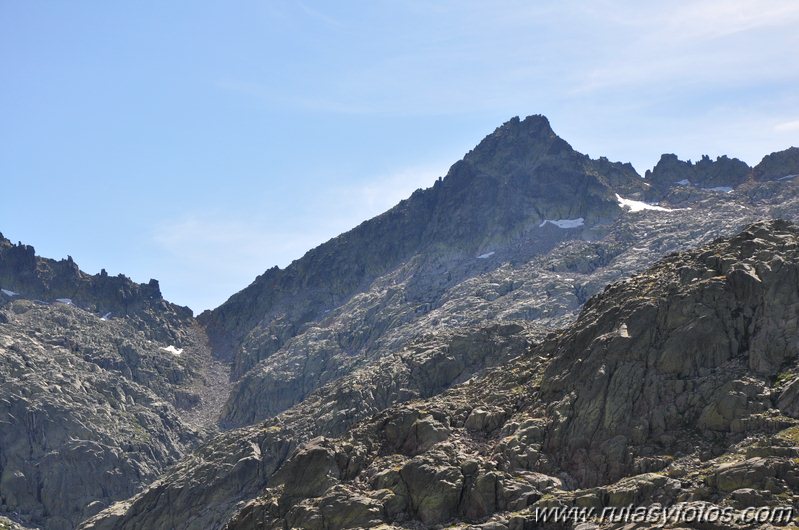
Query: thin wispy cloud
(319,15)
(377,195)
(309,117)
(477,57)
(787,126)
(711,42)
(232,250)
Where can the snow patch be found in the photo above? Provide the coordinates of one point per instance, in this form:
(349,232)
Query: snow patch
(724,189)
(486,255)
(637,206)
(67,301)
(106,316)
(9,293)
(788,177)
(564,223)
(174,351)
(683,182)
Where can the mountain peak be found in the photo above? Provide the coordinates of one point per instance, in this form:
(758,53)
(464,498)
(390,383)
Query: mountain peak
(778,165)
(535,123)
(38,278)
(519,140)
(506,194)
(723,171)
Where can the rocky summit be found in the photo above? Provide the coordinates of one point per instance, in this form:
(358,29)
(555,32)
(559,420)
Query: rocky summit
(537,330)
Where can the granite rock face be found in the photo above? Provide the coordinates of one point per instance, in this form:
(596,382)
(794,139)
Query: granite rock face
(663,390)
(463,245)
(253,455)
(47,280)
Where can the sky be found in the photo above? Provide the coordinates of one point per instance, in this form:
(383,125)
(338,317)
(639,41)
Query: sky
(201,142)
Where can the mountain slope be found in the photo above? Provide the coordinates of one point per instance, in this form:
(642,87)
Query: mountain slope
(521,192)
(503,281)
(332,309)
(677,384)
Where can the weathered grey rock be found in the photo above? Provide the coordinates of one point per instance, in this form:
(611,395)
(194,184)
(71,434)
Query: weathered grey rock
(92,406)
(778,165)
(706,173)
(8,524)
(600,440)
(76,437)
(788,402)
(433,488)
(754,473)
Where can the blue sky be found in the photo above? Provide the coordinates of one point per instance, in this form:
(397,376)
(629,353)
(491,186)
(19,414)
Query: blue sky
(202,142)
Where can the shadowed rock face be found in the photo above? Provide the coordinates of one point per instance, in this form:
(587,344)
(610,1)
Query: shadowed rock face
(706,173)
(692,346)
(47,279)
(670,372)
(675,385)
(343,303)
(518,195)
(37,278)
(778,165)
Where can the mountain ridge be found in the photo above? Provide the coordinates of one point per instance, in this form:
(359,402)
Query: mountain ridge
(453,284)
(450,212)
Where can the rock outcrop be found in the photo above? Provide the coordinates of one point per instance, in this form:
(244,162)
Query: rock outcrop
(778,165)
(722,173)
(100,385)
(47,280)
(518,282)
(517,196)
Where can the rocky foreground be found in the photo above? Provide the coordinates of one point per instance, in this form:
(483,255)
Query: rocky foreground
(679,384)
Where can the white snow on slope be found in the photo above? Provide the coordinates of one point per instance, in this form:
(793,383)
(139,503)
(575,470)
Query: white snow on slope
(174,351)
(9,293)
(683,182)
(486,255)
(564,223)
(788,177)
(106,316)
(637,206)
(67,301)
(725,189)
